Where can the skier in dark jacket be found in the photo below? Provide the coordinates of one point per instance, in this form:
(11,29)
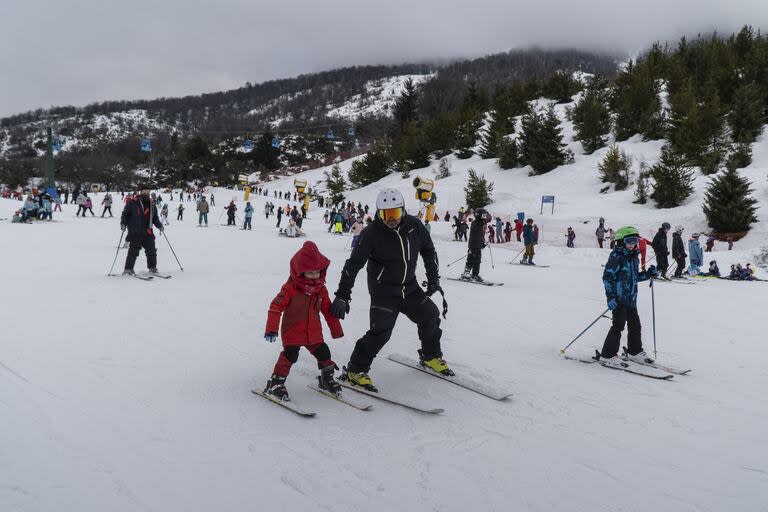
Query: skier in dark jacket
(678,251)
(139,215)
(475,246)
(390,246)
(620,278)
(231,209)
(530,237)
(659,245)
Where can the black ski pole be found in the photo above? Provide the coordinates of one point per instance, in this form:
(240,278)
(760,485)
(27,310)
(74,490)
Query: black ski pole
(457,260)
(562,350)
(174,252)
(116,253)
(653,310)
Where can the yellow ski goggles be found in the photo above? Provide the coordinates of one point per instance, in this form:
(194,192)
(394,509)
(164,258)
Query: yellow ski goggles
(388,214)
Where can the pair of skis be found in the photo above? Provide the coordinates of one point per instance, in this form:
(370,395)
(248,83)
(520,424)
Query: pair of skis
(459,380)
(143,277)
(650,370)
(472,281)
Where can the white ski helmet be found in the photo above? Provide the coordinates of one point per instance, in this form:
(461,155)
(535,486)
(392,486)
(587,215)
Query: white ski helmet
(390,198)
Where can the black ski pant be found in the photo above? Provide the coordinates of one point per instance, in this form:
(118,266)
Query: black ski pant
(474,257)
(230,220)
(662,264)
(290,355)
(247,223)
(680,266)
(622,316)
(279,218)
(383,314)
(148,243)
(107,209)
(180,216)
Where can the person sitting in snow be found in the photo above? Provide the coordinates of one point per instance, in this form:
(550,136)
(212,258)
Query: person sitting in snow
(296,312)
(713,271)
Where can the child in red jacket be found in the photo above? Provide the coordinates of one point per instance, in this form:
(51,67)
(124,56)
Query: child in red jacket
(300,301)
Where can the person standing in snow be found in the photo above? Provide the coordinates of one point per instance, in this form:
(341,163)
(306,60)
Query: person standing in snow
(508,232)
(231,209)
(491,234)
(696,255)
(529,241)
(600,233)
(301,301)
(620,279)
(570,236)
(499,230)
(248,215)
(475,246)
(202,209)
(678,251)
(138,217)
(213,202)
(107,205)
(279,216)
(710,243)
(659,245)
(356,229)
(88,206)
(164,214)
(391,245)
(518,229)
(180,210)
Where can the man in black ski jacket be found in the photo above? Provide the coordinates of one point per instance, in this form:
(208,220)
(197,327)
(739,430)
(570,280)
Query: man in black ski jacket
(678,251)
(476,245)
(390,246)
(659,245)
(139,215)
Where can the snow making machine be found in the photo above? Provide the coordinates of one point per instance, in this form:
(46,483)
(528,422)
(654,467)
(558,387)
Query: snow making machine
(426,196)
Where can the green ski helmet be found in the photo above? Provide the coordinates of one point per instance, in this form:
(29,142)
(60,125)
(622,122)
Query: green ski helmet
(626,231)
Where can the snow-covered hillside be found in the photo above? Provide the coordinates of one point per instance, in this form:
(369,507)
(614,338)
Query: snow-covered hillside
(379,98)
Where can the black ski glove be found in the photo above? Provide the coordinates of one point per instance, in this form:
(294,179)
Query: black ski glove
(432,287)
(339,308)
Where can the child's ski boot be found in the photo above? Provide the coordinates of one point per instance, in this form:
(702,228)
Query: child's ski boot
(326,381)
(276,388)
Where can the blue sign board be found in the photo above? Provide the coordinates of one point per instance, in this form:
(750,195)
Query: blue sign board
(146,145)
(275,142)
(547,199)
(248,145)
(521,216)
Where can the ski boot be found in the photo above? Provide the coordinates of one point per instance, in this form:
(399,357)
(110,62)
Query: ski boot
(524,261)
(467,275)
(276,388)
(640,357)
(129,272)
(530,262)
(476,278)
(611,362)
(153,270)
(436,364)
(326,381)
(360,379)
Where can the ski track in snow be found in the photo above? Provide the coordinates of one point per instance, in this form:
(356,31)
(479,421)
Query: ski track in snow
(125,395)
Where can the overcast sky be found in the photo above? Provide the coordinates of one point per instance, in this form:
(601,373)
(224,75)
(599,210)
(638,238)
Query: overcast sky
(62,52)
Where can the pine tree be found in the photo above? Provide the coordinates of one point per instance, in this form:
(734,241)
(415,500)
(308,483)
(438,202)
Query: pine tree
(673,179)
(728,204)
(641,190)
(502,122)
(636,105)
(444,170)
(683,122)
(560,87)
(466,134)
(712,130)
(406,109)
(746,115)
(440,135)
(508,153)
(615,168)
(372,168)
(477,191)
(541,141)
(591,117)
(739,157)
(336,184)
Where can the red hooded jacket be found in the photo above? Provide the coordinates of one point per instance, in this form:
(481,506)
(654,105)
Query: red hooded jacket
(301,301)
